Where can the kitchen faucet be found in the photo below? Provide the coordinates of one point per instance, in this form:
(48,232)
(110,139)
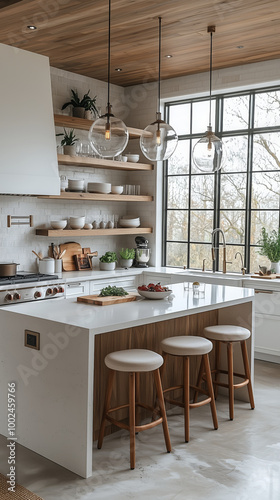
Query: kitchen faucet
(243,269)
(213,248)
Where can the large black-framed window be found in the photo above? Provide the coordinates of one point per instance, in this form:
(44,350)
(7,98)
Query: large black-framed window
(242,198)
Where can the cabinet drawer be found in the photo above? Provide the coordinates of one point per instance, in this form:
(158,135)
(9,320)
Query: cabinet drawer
(267,334)
(77,288)
(127,283)
(267,302)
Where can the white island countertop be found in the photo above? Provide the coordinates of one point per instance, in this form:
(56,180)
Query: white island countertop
(100,319)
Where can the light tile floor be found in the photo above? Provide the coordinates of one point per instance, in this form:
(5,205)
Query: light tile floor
(239,461)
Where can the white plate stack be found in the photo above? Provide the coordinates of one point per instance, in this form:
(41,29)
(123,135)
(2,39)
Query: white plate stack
(129,221)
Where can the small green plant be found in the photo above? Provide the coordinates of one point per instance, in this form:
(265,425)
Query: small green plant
(112,291)
(270,245)
(69,138)
(86,102)
(109,257)
(127,253)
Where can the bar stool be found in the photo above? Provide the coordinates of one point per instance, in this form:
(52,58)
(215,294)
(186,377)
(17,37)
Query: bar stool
(134,361)
(186,346)
(230,335)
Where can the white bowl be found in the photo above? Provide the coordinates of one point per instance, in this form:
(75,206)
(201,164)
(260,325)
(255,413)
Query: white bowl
(131,157)
(58,224)
(117,189)
(77,222)
(154,295)
(99,187)
(129,223)
(76,184)
(76,226)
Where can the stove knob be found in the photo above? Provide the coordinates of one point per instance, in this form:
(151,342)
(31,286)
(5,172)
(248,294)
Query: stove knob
(37,295)
(17,296)
(55,290)
(9,297)
(61,289)
(49,291)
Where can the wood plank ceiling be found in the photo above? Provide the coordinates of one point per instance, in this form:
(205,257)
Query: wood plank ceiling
(73,34)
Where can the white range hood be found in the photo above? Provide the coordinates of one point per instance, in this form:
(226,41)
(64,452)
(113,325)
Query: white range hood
(28,159)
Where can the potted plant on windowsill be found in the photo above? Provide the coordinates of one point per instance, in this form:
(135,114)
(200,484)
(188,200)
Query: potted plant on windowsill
(107,262)
(68,142)
(83,108)
(126,257)
(270,248)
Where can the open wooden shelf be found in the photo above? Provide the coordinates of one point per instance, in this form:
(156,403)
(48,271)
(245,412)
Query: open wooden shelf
(82,124)
(82,161)
(67,195)
(92,232)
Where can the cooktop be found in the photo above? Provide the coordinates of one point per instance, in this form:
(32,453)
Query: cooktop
(26,278)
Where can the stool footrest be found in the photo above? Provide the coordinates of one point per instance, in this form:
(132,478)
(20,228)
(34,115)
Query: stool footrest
(138,428)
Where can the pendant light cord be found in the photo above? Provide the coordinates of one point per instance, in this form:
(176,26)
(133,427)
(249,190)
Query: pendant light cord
(211,36)
(109,54)
(159,61)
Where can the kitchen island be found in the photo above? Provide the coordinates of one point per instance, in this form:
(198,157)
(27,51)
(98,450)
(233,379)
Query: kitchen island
(60,387)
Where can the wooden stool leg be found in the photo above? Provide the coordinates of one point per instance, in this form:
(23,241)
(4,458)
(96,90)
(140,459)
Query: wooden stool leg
(161,404)
(230,379)
(217,364)
(199,379)
(137,398)
(186,389)
(108,396)
(210,389)
(247,372)
(132,418)
(156,411)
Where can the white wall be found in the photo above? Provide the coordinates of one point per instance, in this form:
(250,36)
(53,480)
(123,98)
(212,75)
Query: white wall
(137,106)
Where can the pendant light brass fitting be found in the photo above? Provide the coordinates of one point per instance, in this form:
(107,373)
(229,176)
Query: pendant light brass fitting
(211,29)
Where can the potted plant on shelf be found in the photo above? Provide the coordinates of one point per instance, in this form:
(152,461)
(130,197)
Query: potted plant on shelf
(270,248)
(127,255)
(82,108)
(107,262)
(68,142)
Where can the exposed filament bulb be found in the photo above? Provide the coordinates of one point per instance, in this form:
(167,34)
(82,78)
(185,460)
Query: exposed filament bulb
(158,140)
(108,131)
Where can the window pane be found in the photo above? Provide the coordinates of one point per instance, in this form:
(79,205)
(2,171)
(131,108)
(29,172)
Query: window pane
(179,118)
(202,191)
(198,253)
(236,150)
(257,260)
(177,225)
(266,153)
(176,254)
(231,250)
(265,190)
(233,191)
(178,192)
(180,160)
(200,116)
(201,225)
(267,109)
(232,223)
(263,218)
(236,113)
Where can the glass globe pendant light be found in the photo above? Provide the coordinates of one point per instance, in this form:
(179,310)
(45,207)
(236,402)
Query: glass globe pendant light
(208,151)
(108,135)
(159,140)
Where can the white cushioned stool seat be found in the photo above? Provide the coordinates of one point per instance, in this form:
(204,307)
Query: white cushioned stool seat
(226,333)
(186,345)
(134,360)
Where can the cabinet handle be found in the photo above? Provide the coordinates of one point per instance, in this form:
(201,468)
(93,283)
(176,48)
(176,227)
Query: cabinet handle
(264,291)
(74,285)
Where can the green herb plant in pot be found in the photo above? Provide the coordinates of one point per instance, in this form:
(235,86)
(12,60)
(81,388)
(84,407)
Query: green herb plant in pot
(126,257)
(270,248)
(82,108)
(68,142)
(108,261)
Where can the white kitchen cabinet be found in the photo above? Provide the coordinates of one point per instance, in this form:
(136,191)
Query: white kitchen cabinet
(163,279)
(128,283)
(267,325)
(76,288)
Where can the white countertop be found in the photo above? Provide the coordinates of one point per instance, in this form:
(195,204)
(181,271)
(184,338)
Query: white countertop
(100,319)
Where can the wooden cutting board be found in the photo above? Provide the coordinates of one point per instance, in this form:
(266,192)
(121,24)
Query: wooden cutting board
(266,277)
(68,261)
(106,301)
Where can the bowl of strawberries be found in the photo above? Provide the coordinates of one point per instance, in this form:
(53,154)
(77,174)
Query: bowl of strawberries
(154,291)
